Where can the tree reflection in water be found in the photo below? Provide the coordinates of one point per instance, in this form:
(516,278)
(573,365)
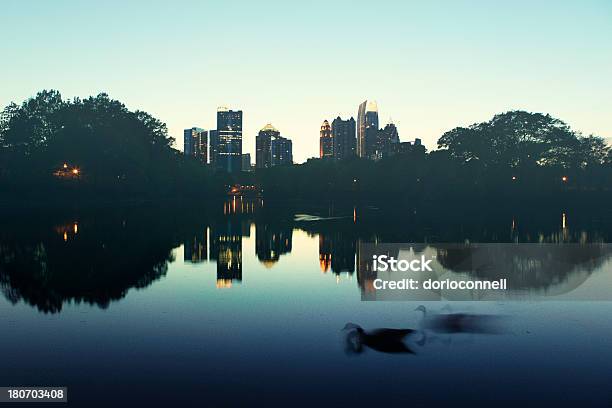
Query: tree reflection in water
(97,257)
(96,260)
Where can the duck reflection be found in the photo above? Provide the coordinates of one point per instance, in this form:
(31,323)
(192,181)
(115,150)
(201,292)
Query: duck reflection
(453,323)
(382,340)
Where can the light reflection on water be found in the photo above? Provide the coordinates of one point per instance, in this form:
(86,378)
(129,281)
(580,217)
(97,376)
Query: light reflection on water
(140,302)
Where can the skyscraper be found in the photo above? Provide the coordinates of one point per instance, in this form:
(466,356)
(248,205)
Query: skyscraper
(226,250)
(343,135)
(263,146)
(246,162)
(196,143)
(271,242)
(272,149)
(326,142)
(214,148)
(282,151)
(388,139)
(367,129)
(228,149)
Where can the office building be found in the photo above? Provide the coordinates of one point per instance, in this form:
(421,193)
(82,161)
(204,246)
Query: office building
(387,141)
(326,142)
(282,151)
(343,135)
(272,149)
(246,161)
(228,141)
(263,146)
(367,129)
(196,143)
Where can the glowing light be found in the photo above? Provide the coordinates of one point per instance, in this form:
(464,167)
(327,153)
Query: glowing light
(564,179)
(65,165)
(514,178)
(224,283)
(65,236)
(76,228)
(75,171)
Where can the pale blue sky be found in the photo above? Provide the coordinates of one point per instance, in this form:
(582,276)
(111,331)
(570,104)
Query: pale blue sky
(431,66)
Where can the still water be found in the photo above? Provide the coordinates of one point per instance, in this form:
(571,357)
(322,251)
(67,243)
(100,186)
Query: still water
(246,305)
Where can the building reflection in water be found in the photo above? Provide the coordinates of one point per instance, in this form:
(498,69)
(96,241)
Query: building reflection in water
(42,260)
(325,255)
(341,247)
(222,241)
(226,250)
(240,205)
(337,252)
(196,248)
(271,242)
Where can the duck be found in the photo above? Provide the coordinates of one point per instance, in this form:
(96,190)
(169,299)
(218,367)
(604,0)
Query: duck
(382,340)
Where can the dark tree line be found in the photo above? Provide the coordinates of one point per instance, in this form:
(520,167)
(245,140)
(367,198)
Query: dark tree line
(116,151)
(123,153)
(515,155)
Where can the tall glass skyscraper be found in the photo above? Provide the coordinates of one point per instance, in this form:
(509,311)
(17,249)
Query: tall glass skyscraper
(367,129)
(228,139)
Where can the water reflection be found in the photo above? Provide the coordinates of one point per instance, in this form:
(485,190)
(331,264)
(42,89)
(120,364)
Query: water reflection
(95,262)
(98,257)
(272,241)
(337,252)
(226,250)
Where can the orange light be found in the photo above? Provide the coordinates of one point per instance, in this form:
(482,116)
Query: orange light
(564,179)
(75,171)
(65,165)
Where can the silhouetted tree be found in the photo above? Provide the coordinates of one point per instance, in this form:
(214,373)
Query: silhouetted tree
(523,139)
(115,149)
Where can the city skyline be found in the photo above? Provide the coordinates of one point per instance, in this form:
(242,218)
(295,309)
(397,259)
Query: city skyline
(555,59)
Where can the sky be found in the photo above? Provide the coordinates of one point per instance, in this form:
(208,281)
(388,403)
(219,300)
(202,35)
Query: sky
(431,66)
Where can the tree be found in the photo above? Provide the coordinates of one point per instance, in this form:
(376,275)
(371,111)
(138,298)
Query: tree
(113,148)
(523,139)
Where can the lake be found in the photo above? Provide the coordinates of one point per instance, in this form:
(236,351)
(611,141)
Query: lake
(240,303)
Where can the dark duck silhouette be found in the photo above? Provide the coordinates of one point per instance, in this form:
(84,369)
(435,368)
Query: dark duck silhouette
(460,322)
(382,340)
